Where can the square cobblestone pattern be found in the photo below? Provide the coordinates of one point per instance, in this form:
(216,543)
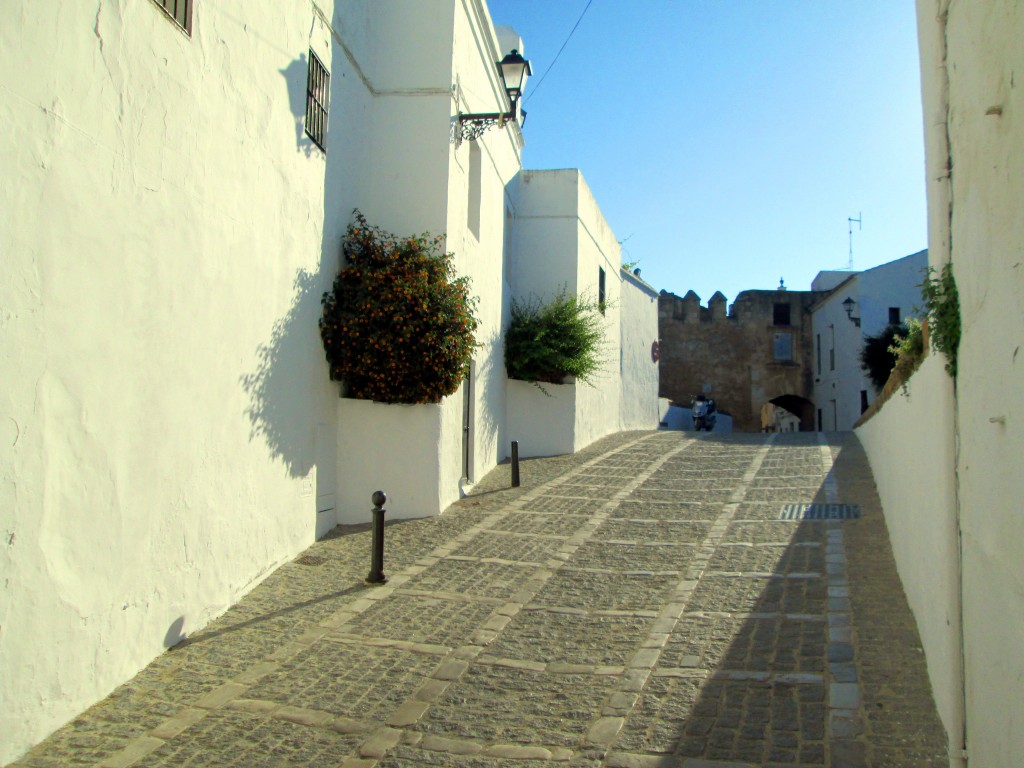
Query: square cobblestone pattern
(633,557)
(514,706)
(545,636)
(647,510)
(518,548)
(554,504)
(228,738)
(654,531)
(754,594)
(352,680)
(719,495)
(469,578)
(404,756)
(773,532)
(755,645)
(422,620)
(600,591)
(543,524)
(769,558)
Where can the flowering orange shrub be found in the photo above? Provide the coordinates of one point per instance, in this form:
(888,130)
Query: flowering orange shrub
(398,325)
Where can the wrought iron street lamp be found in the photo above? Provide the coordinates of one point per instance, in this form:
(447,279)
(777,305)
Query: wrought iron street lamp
(848,305)
(513,70)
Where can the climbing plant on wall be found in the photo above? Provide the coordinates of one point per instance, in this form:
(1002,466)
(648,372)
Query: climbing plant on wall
(942,302)
(398,325)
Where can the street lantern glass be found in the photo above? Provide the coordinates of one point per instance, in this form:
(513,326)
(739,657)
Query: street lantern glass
(514,71)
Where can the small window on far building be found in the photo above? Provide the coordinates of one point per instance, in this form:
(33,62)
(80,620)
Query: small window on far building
(318,82)
(180,11)
(782,347)
(601,289)
(894,316)
(780,314)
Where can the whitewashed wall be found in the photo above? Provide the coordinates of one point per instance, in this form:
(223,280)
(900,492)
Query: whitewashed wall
(421,181)
(542,421)
(167,235)
(894,284)
(837,387)
(974,141)
(598,406)
(639,372)
(562,239)
(985,122)
(909,445)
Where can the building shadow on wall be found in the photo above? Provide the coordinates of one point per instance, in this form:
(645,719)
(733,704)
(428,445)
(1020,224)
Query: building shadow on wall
(490,368)
(295,76)
(279,387)
(746,676)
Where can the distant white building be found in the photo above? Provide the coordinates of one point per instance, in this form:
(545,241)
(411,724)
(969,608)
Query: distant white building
(176,188)
(861,304)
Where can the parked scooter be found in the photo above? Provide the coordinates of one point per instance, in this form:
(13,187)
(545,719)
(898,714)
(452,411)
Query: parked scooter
(704,413)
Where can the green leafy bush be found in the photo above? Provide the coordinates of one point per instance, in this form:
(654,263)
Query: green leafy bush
(877,357)
(398,325)
(908,348)
(547,342)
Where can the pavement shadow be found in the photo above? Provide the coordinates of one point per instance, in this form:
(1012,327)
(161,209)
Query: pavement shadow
(256,621)
(762,669)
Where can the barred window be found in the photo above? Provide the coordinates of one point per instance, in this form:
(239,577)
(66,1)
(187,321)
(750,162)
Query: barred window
(180,11)
(317,96)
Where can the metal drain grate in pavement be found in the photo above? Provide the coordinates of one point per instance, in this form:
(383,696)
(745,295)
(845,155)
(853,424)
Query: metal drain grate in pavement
(310,560)
(819,512)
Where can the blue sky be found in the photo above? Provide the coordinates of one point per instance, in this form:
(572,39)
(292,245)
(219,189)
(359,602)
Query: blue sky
(728,141)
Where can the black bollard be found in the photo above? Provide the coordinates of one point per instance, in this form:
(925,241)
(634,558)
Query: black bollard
(515,463)
(377,575)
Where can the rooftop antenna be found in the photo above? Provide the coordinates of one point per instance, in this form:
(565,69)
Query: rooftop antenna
(850,220)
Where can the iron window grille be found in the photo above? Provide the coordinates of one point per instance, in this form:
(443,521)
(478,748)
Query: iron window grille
(178,10)
(318,82)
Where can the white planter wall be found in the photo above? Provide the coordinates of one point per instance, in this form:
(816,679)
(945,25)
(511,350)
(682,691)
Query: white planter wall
(391,448)
(544,424)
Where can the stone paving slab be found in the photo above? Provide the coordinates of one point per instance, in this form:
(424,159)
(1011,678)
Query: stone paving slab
(637,605)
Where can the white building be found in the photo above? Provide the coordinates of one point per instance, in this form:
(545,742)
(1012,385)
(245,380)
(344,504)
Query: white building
(175,199)
(564,243)
(861,304)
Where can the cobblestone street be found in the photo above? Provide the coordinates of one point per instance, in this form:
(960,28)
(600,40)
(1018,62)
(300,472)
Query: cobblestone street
(661,599)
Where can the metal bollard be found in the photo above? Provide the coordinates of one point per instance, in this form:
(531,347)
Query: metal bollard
(377,575)
(515,463)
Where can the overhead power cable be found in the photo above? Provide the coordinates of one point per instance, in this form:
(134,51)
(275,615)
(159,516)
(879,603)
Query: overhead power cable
(553,61)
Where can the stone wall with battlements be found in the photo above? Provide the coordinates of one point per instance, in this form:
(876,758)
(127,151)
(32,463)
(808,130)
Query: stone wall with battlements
(743,356)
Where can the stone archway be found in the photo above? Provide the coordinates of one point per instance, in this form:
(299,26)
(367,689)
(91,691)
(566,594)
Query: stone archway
(801,409)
